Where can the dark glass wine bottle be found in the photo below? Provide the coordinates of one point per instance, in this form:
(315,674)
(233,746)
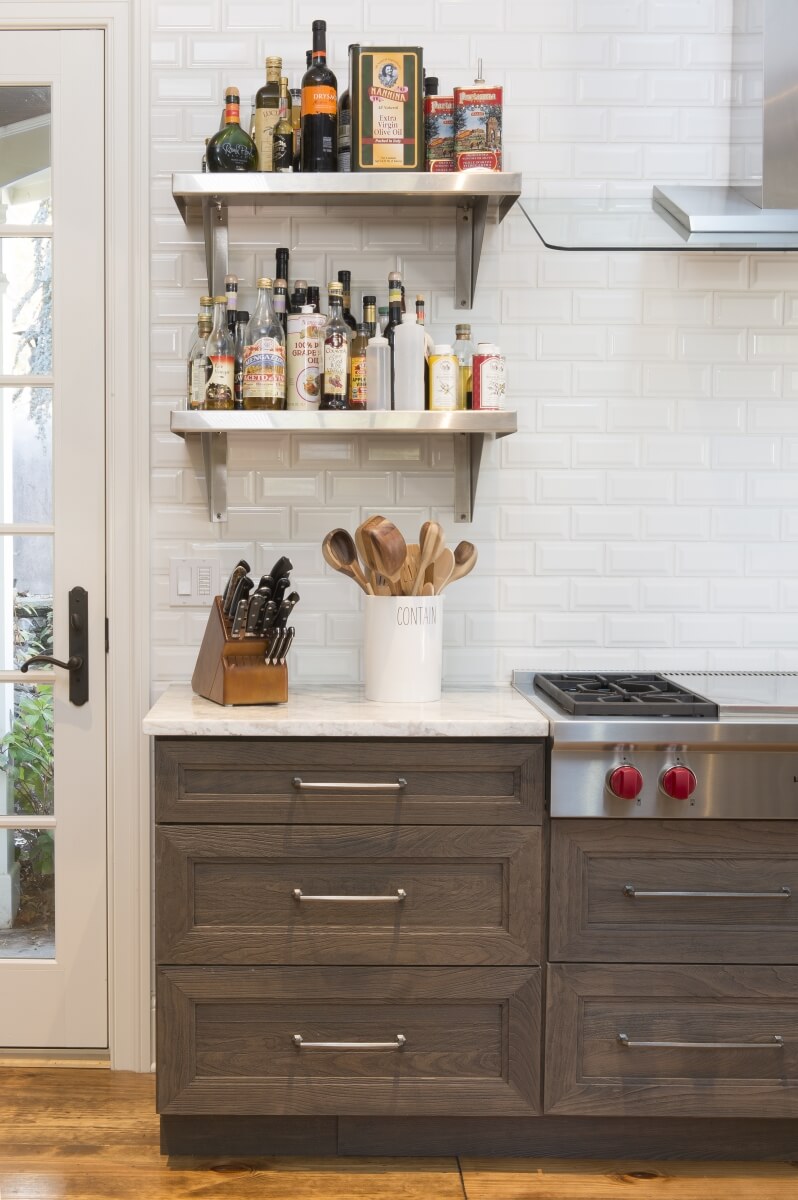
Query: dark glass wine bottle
(231,148)
(319,137)
(370,314)
(345,279)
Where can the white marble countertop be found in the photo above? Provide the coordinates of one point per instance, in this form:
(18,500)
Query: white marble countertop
(344,712)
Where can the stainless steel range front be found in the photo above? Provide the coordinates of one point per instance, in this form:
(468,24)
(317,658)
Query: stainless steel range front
(716,745)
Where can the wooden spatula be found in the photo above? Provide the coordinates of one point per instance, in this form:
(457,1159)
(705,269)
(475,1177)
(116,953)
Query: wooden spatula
(386,548)
(431,545)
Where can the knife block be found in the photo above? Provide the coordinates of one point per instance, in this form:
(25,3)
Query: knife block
(233,670)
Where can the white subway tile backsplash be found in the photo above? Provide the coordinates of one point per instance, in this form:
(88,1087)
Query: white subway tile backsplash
(743,595)
(675,523)
(708,629)
(569,629)
(709,558)
(746,524)
(673,595)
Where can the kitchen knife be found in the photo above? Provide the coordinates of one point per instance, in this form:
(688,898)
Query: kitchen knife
(274,637)
(256,603)
(265,583)
(240,619)
(286,645)
(241,592)
(238,572)
(284,611)
(267,617)
(280,588)
(283,566)
(280,636)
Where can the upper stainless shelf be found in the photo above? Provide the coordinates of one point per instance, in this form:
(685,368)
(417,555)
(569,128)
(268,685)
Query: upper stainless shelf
(186,423)
(634,224)
(501,189)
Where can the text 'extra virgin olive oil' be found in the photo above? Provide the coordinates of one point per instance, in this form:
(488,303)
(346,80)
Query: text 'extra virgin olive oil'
(231,148)
(319,137)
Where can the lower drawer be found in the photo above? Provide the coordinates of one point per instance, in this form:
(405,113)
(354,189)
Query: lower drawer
(682,1041)
(299,1041)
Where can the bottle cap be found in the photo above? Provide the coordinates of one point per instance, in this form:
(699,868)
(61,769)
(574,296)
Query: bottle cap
(431,85)
(335,289)
(205,300)
(220,300)
(486,347)
(394,277)
(320,27)
(275,61)
(442,350)
(463,331)
(280,283)
(242,317)
(369,299)
(231,92)
(344,277)
(264,282)
(230,279)
(383,309)
(301,284)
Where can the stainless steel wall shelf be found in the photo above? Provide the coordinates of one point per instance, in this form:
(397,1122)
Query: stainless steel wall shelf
(468,429)
(472,195)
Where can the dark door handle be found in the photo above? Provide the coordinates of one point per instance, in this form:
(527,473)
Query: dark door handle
(73,664)
(78,662)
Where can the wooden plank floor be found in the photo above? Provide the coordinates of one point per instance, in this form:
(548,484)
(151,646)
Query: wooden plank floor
(93,1135)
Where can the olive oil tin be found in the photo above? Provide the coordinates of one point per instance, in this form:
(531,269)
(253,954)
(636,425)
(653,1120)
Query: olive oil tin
(385,84)
(439,132)
(478,127)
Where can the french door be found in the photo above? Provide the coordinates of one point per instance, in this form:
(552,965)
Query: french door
(53,952)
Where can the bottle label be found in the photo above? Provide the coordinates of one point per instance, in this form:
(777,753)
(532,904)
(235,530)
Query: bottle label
(265,121)
(345,140)
(198,379)
(264,370)
(357,388)
(283,152)
(232,113)
(279,302)
(303,366)
(488,381)
(319,99)
(443,378)
(335,366)
(220,382)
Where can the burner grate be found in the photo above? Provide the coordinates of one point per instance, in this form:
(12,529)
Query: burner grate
(615,695)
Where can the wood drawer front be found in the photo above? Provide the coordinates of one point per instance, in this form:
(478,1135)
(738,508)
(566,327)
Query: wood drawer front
(741,880)
(734,1014)
(222,780)
(472,894)
(225,1040)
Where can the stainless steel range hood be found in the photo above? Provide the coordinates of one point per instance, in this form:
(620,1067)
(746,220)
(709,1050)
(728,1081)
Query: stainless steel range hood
(763,194)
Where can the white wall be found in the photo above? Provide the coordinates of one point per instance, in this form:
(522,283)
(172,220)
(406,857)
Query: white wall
(646,514)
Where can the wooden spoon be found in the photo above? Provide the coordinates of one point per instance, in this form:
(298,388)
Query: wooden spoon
(364,552)
(409,570)
(387,549)
(465,557)
(340,553)
(442,569)
(431,546)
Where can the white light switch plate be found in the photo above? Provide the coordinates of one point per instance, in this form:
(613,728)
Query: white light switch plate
(193,582)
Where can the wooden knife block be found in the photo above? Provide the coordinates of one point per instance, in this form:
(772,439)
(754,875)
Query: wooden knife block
(234,670)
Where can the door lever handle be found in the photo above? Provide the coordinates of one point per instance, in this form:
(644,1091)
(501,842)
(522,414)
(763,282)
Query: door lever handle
(72,664)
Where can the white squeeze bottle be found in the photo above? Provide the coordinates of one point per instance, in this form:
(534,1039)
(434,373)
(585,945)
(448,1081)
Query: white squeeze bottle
(378,374)
(409,357)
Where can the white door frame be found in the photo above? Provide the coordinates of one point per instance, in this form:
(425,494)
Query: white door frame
(126,25)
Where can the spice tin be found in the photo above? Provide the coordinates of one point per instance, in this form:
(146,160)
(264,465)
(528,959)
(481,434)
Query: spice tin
(439,132)
(385,83)
(303,354)
(478,127)
(444,372)
(488,377)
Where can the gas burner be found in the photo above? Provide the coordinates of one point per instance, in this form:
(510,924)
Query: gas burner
(614,695)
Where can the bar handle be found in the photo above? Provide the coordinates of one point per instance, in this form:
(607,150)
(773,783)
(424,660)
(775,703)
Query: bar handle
(301,1044)
(301,786)
(634,893)
(777,1043)
(397,898)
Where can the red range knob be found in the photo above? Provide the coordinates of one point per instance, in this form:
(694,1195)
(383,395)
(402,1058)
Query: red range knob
(678,782)
(625,782)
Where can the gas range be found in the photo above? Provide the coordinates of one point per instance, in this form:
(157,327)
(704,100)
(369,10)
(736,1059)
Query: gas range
(711,745)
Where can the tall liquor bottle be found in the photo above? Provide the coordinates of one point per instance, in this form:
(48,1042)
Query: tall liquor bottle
(345,280)
(197,355)
(394,317)
(220,371)
(281,302)
(314,298)
(231,148)
(358,394)
(335,353)
(319,133)
(267,113)
(296,118)
(345,135)
(283,139)
(264,358)
(281,256)
(231,291)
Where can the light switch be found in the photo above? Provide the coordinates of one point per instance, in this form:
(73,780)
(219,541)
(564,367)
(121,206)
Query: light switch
(193,582)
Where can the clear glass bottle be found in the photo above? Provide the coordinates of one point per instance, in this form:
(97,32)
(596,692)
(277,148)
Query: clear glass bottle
(464,349)
(220,369)
(335,353)
(239,350)
(197,361)
(267,113)
(283,140)
(264,359)
(231,148)
(382,319)
(358,391)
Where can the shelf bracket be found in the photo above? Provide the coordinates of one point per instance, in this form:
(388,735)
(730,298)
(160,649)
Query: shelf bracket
(469,230)
(214,224)
(214,461)
(467,461)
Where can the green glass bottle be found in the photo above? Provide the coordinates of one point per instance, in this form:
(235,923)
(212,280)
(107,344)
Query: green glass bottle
(231,148)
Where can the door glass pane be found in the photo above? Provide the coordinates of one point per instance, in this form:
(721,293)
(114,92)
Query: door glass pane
(26,463)
(26,598)
(26,307)
(27,893)
(25,191)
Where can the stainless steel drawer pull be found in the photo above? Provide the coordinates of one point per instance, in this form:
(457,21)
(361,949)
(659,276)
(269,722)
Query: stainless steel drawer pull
(397,898)
(302,786)
(301,1044)
(635,894)
(776,1044)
